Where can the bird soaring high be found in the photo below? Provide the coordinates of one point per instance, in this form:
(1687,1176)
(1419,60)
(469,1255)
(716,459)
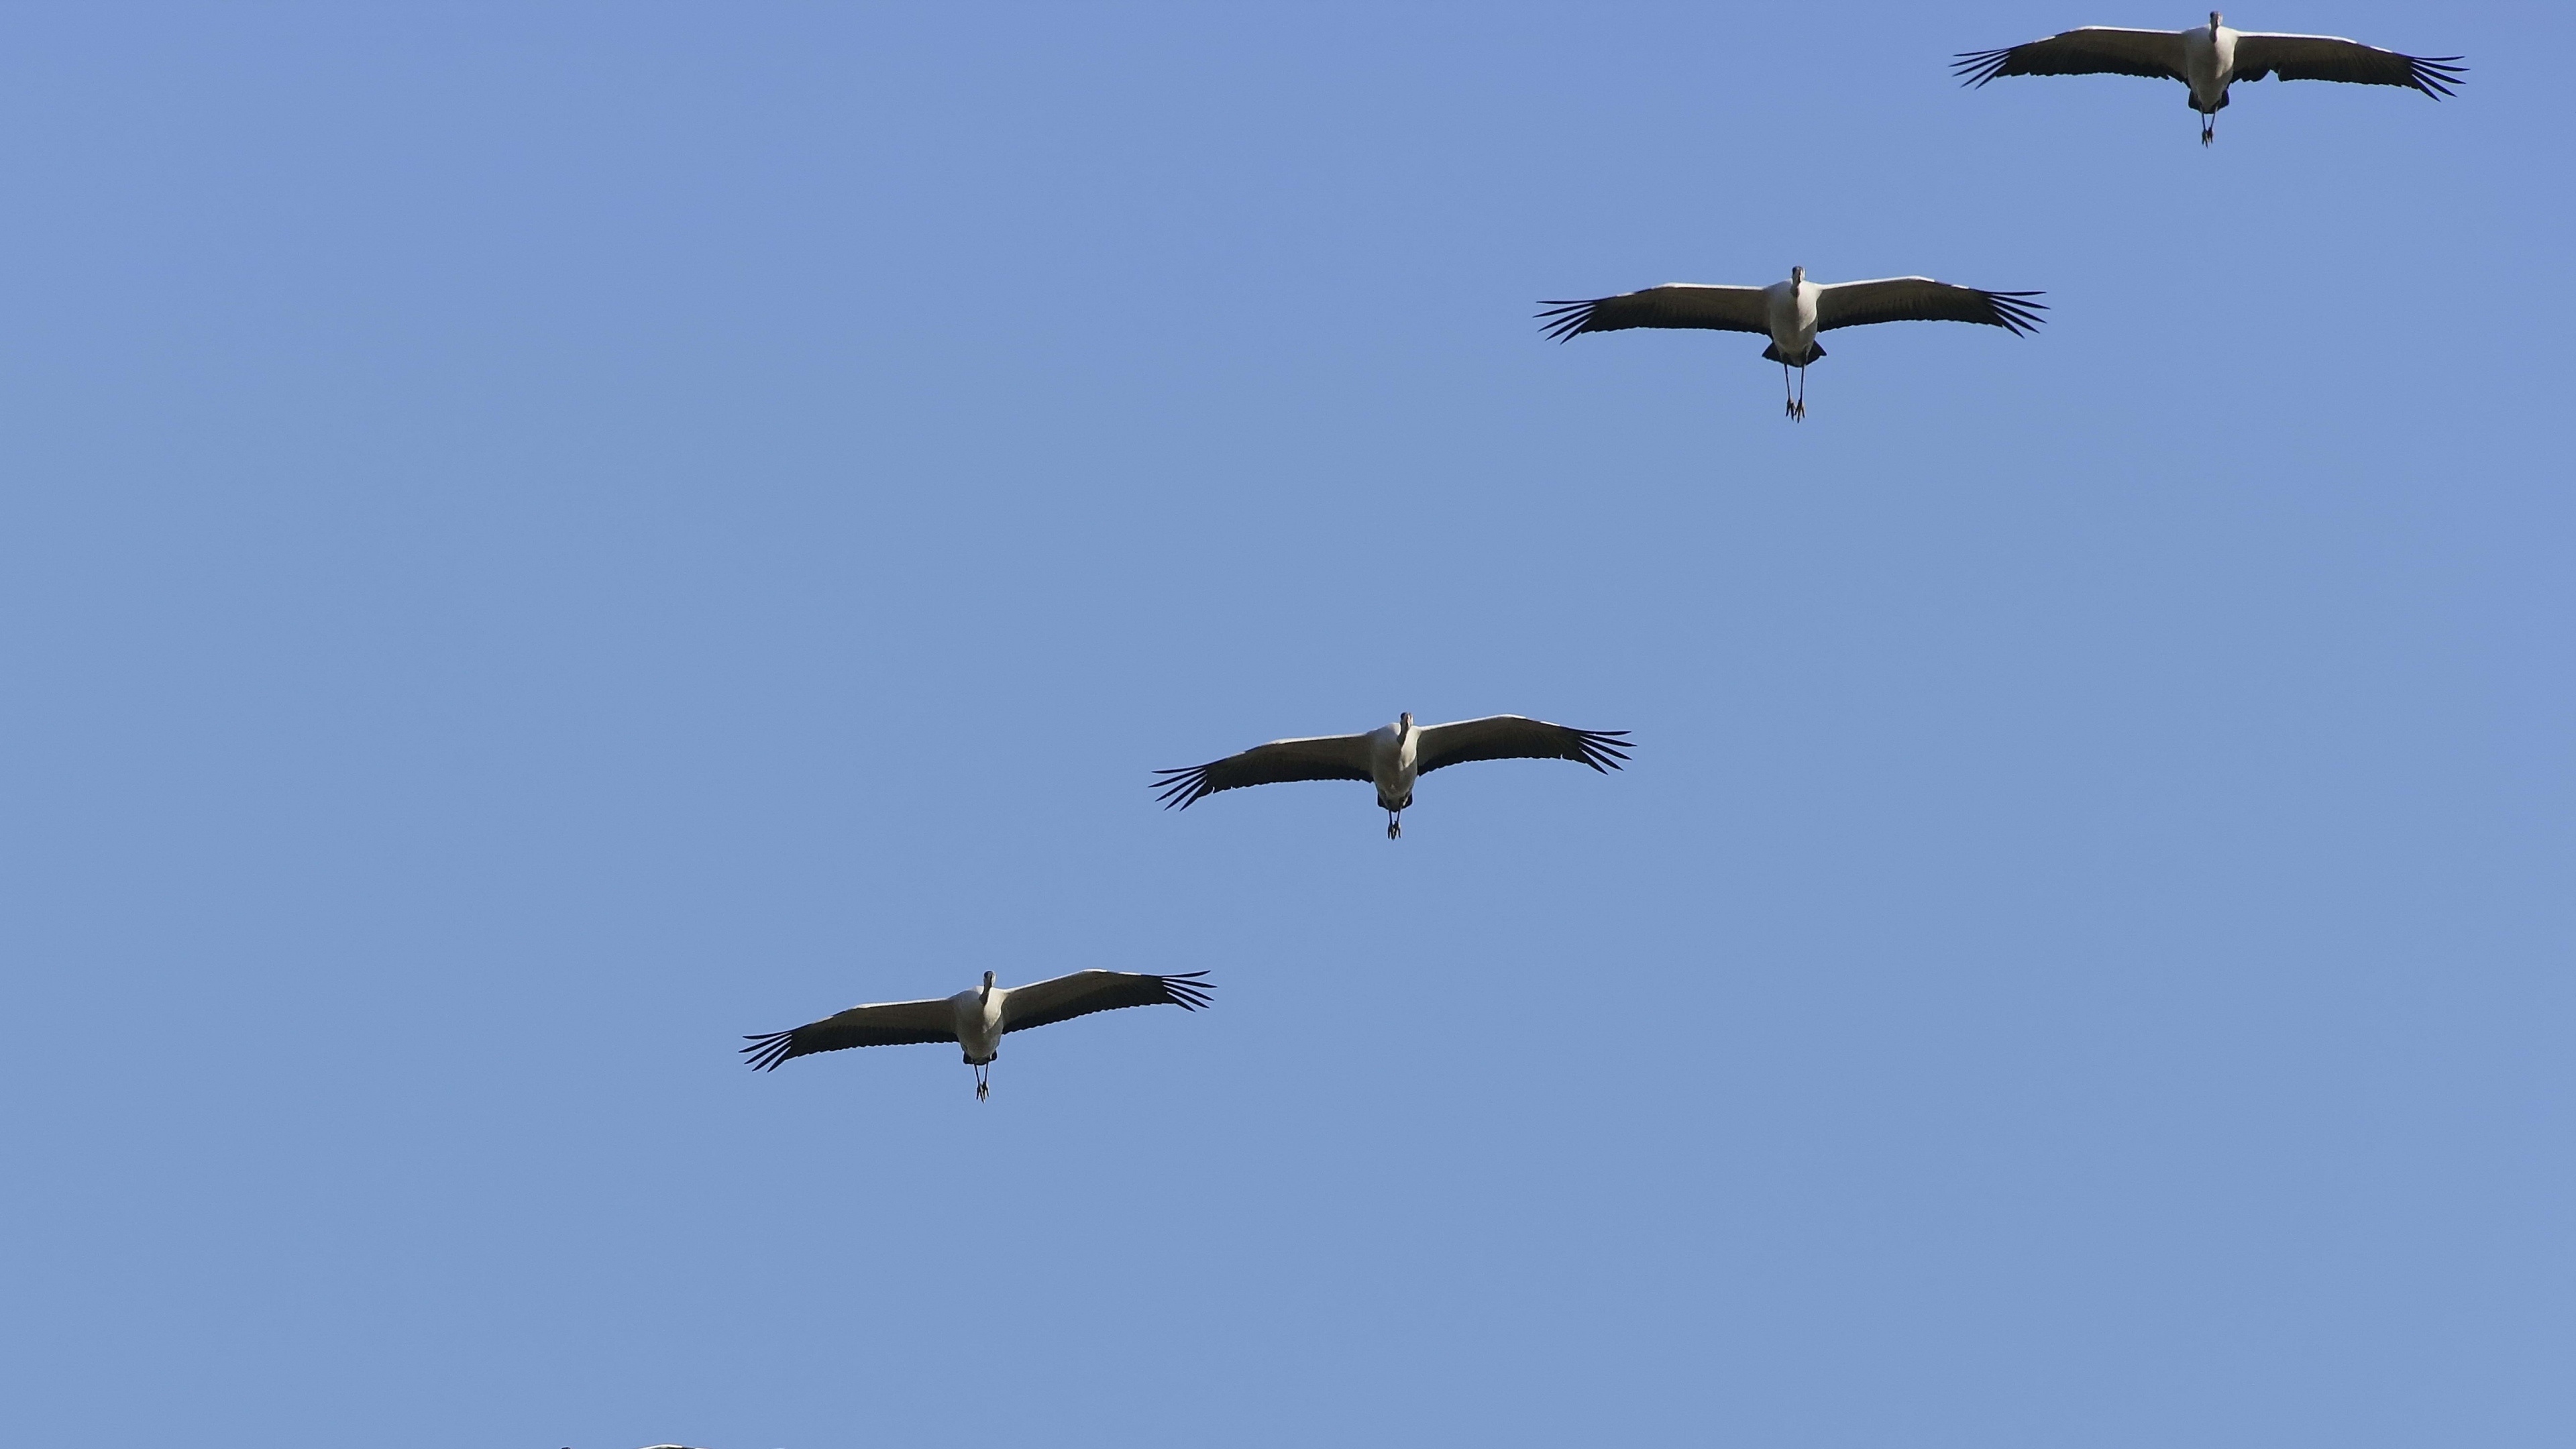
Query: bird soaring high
(1392,757)
(1793,312)
(2208,59)
(975,1019)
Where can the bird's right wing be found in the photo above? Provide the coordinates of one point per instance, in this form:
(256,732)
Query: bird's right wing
(2093,50)
(1921,299)
(1324,757)
(892,1023)
(1675,304)
(1516,737)
(1062,998)
(2333,58)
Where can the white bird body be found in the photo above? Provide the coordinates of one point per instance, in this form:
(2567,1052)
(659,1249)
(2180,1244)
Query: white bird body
(1790,309)
(2208,59)
(1393,752)
(979,1021)
(2208,64)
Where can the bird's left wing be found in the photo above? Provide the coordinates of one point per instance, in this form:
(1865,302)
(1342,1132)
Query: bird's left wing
(891,1023)
(1921,299)
(2093,50)
(1513,737)
(2333,58)
(1041,1003)
(1322,757)
(1674,304)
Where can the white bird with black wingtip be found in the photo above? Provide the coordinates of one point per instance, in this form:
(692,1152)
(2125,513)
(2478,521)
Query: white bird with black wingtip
(976,1019)
(2208,59)
(1392,757)
(1793,312)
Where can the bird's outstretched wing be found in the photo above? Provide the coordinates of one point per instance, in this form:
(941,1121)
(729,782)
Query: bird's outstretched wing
(1513,737)
(892,1023)
(1323,757)
(2333,58)
(1921,299)
(2093,50)
(1042,1003)
(1675,304)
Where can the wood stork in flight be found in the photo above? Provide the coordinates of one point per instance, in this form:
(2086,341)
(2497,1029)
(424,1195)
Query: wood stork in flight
(976,1019)
(1392,757)
(1793,312)
(2208,59)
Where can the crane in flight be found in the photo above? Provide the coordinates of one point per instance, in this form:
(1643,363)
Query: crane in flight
(2208,59)
(1792,313)
(1392,757)
(977,1018)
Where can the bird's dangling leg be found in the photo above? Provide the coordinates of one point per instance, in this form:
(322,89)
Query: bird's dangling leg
(1395,825)
(1802,395)
(1788,399)
(983,1080)
(2208,127)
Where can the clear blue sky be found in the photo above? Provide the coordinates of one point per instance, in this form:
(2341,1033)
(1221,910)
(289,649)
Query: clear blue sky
(539,540)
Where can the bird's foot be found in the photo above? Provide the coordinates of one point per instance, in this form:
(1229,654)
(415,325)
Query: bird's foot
(983,1090)
(1394,828)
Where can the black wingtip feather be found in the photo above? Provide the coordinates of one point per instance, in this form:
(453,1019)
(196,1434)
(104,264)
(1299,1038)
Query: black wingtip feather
(1188,990)
(1603,750)
(2434,75)
(769,1049)
(2015,312)
(1180,788)
(1976,67)
(1565,319)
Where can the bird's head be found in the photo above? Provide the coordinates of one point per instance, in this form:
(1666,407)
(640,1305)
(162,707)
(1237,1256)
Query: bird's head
(1797,276)
(2213,20)
(987,993)
(1404,724)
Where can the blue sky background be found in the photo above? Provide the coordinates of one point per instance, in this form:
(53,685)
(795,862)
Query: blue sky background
(539,540)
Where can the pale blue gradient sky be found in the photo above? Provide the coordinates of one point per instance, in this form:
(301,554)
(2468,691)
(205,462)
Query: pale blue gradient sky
(539,540)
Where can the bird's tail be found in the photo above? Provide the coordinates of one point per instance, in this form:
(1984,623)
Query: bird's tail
(1772,354)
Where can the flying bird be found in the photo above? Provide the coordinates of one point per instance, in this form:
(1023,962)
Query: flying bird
(1793,312)
(976,1019)
(2208,59)
(1392,757)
